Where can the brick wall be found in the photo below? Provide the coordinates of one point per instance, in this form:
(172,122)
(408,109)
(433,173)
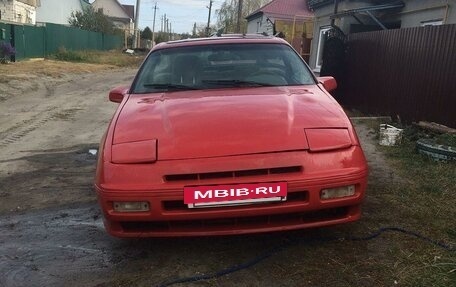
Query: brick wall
(6,11)
(15,11)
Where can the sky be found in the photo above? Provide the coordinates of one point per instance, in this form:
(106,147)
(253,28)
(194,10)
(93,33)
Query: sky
(181,13)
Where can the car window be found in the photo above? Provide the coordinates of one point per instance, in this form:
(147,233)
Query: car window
(221,65)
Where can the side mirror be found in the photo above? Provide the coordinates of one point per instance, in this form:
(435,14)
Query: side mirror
(116,95)
(329,83)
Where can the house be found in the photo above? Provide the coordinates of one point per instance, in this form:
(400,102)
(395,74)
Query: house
(292,18)
(263,19)
(58,11)
(18,11)
(122,15)
(372,15)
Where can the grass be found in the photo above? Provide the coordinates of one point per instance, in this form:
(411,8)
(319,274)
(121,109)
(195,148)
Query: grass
(424,201)
(114,57)
(68,62)
(447,139)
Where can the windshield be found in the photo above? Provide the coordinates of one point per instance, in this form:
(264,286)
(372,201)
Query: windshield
(216,66)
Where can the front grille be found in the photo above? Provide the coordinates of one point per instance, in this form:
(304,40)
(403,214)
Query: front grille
(288,219)
(233,174)
(292,197)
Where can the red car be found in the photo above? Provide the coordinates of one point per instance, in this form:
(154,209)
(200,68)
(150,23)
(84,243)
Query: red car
(227,135)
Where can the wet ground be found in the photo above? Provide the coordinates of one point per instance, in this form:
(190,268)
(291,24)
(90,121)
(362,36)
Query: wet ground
(51,231)
(68,246)
(54,247)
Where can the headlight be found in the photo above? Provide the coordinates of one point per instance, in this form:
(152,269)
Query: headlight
(338,192)
(135,152)
(327,139)
(133,206)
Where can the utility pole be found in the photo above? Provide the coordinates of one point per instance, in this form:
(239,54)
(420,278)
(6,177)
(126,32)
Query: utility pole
(170,31)
(167,28)
(208,28)
(135,32)
(161,23)
(336,4)
(239,16)
(153,25)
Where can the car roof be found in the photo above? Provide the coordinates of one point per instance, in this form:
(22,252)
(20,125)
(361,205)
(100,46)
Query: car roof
(222,39)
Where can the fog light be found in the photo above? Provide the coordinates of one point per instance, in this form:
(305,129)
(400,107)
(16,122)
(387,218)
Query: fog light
(338,192)
(134,206)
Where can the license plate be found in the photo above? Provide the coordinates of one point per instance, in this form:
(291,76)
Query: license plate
(234,194)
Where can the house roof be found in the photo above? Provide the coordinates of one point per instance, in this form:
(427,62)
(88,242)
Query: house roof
(130,10)
(127,11)
(84,3)
(284,9)
(29,2)
(314,4)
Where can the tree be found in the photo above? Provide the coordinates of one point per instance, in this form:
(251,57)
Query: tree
(91,20)
(161,37)
(184,36)
(146,34)
(228,13)
(201,30)
(227,16)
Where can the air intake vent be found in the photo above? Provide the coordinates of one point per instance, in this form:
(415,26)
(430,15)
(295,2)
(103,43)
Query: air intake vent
(233,174)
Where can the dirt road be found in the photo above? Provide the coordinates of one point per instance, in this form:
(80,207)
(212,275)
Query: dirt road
(45,137)
(51,232)
(47,129)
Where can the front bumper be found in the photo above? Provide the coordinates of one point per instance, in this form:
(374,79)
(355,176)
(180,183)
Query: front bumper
(168,216)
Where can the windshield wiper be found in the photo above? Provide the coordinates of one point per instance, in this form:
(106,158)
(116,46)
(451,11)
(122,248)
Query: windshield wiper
(170,86)
(238,83)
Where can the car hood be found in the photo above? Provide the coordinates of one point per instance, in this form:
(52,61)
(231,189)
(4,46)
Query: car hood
(213,123)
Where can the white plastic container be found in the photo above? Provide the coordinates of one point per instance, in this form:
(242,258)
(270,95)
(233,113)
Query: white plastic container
(390,135)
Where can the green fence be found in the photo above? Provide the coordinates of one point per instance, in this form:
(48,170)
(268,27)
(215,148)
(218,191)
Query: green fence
(5,32)
(111,42)
(71,38)
(42,41)
(28,41)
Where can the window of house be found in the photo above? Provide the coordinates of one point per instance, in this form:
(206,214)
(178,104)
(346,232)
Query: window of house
(432,23)
(321,43)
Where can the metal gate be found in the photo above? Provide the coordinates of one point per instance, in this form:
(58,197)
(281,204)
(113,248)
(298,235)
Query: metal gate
(334,52)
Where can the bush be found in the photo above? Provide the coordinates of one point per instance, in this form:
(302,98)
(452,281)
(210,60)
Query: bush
(6,51)
(71,56)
